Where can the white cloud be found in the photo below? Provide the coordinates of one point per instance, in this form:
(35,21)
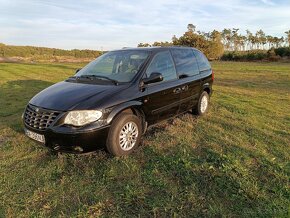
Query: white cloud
(268,2)
(116,24)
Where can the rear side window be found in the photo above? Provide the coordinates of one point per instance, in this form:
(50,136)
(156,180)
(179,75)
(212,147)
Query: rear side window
(162,63)
(202,61)
(186,63)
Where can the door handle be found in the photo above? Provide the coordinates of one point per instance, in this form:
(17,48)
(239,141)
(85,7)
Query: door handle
(184,88)
(177,90)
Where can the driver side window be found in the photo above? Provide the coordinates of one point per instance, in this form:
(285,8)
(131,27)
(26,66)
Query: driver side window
(162,63)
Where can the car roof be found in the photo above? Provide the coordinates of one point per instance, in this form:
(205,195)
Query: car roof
(155,48)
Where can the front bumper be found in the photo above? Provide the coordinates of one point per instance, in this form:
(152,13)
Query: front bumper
(74,141)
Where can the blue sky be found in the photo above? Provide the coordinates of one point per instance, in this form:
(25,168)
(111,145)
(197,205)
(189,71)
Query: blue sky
(102,24)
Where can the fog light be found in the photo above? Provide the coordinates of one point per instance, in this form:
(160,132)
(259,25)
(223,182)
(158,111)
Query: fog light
(78,149)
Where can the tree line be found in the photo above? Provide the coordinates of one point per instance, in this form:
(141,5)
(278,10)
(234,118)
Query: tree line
(217,43)
(234,41)
(31,51)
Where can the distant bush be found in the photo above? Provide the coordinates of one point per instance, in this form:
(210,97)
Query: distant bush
(257,55)
(283,51)
(245,55)
(31,51)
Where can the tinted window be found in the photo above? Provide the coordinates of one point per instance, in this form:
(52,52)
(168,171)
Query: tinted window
(185,61)
(162,63)
(202,61)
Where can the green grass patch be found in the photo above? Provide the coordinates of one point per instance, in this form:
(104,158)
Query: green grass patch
(233,162)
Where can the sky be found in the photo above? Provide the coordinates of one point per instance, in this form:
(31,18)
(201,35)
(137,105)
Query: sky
(106,25)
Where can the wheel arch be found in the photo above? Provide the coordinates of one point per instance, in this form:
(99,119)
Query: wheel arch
(133,107)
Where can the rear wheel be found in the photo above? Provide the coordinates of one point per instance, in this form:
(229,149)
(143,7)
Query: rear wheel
(124,135)
(203,103)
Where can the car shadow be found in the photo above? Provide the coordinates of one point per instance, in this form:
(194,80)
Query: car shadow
(161,126)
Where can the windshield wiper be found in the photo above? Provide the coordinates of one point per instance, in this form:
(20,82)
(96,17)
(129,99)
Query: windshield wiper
(116,82)
(73,77)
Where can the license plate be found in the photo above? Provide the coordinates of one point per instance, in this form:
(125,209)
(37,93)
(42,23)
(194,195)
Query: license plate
(37,137)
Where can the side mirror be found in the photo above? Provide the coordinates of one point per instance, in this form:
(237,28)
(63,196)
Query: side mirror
(153,78)
(78,70)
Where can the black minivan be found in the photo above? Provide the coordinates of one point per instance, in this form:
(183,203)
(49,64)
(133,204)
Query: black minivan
(112,100)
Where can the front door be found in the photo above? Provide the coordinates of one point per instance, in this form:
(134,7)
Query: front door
(163,97)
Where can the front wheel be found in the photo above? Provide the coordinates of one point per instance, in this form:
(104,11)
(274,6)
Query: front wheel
(203,103)
(124,134)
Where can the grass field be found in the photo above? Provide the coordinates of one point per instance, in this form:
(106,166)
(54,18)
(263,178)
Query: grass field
(234,162)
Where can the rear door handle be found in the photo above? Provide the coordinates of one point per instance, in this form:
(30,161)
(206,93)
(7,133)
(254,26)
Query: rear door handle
(184,88)
(177,90)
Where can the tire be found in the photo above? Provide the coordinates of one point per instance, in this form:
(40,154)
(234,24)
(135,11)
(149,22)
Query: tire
(120,143)
(203,104)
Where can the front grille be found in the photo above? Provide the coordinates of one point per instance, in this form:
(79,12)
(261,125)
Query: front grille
(39,118)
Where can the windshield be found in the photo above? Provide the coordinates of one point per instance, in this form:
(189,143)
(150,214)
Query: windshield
(119,66)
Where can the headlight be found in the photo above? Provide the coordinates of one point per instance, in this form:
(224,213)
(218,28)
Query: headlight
(80,118)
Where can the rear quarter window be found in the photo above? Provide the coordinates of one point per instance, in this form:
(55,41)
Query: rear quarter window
(202,61)
(186,63)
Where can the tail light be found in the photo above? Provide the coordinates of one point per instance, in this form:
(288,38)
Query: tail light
(212,75)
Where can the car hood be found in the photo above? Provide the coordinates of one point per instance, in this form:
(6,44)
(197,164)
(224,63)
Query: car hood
(65,95)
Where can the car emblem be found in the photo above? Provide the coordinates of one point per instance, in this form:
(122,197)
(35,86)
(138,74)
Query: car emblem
(37,109)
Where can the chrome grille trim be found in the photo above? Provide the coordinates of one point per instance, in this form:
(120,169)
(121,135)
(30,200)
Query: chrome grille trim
(39,118)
